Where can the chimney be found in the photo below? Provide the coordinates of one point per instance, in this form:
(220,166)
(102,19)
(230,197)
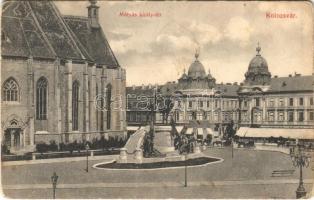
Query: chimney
(143,86)
(149,86)
(93,14)
(297,75)
(133,87)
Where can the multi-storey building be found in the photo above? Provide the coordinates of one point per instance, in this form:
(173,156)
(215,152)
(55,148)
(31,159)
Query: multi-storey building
(195,96)
(52,68)
(260,101)
(276,101)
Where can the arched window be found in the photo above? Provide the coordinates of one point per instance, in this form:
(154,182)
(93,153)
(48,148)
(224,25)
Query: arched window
(97,117)
(75,105)
(41,98)
(10,90)
(108,105)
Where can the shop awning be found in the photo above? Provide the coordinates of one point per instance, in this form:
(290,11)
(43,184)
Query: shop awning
(179,128)
(189,131)
(275,132)
(201,131)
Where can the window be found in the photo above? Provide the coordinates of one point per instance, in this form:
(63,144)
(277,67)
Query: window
(301,116)
(190,104)
(290,101)
(108,105)
(201,104)
(281,102)
(257,102)
(10,90)
(216,103)
(311,101)
(271,116)
(311,116)
(205,115)
(41,98)
(271,103)
(290,116)
(179,104)
(245,116)
(75,104)
(245,103)
(207,104)
(281,116)
(301,101)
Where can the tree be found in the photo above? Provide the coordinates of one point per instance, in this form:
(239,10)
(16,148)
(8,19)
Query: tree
(230,130)
(166,107)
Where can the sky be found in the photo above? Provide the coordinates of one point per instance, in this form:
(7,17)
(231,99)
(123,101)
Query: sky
(157,49)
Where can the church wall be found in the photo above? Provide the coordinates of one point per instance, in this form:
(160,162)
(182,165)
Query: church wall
(17,69)
(45,69)
(77,75)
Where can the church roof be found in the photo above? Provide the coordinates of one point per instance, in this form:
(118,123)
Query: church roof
(90,40)
(21,35)
(37,28)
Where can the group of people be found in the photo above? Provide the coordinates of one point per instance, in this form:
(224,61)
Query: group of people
(182,142)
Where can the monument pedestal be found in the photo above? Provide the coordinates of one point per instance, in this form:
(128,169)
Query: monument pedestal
(197,149)
(123,156)
(138,155)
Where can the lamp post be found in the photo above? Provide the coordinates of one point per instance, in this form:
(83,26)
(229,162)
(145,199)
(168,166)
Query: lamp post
(232,147)
(299,159)
(54,179)
(185,169)
(87,148)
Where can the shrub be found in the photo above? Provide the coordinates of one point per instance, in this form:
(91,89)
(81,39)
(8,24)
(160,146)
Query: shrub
(53,146)
(5,149)
(42,147)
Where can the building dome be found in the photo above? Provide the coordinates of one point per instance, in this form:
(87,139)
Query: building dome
(257,72)
(258,64)
(184,76)
(196,69)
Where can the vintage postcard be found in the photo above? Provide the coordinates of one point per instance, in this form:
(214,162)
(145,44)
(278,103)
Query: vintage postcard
(157,99)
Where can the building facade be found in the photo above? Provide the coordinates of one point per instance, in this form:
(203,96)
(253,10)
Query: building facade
(275,101)
(53,68)
(260,101)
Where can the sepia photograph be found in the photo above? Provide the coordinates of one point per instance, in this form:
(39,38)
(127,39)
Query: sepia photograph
(157,99)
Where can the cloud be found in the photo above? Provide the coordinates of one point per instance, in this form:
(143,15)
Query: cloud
(205,33)
(238,30)
(174,42)
(117,35)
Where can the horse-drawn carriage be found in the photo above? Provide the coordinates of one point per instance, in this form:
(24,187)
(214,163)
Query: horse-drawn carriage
(245,143)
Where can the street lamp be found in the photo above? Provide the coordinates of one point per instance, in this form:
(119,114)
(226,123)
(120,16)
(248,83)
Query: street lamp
(87,148)
(299,159)
(54,179)
(185,169)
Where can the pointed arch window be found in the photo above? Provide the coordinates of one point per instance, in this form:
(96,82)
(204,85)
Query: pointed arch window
(10,90)
(108,105)
(75,105)
(41,98)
